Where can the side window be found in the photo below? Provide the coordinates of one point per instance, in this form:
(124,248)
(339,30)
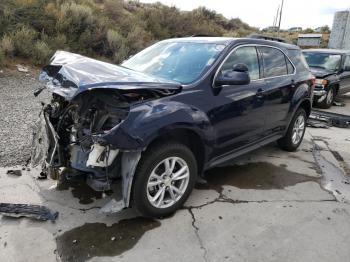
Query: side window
(298,60)
(274,62)
(290,67)
(244,55)
(347,61)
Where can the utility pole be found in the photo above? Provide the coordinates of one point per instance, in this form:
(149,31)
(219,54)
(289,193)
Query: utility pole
(276,17)
(279,23)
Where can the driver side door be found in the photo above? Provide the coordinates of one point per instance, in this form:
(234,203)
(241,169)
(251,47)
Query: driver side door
(239,115)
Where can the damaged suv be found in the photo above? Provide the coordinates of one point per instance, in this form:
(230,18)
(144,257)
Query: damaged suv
(172,111)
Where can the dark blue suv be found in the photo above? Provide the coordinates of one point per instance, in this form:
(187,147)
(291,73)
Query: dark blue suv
(172,111)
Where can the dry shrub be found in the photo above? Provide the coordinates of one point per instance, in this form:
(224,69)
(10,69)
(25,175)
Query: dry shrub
(41,53)
(6,45)
(76,13)
(23,40)
(2,59)
(114,39)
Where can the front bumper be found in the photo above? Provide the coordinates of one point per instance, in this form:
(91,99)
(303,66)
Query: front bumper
(54,159)
(319,95)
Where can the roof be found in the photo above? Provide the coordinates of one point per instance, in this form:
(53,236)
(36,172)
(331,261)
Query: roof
(201,39)
(309,35)
(230,40)
(328,51)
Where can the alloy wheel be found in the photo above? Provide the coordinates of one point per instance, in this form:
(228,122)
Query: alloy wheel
(168,182)
(330,95)
(298,129)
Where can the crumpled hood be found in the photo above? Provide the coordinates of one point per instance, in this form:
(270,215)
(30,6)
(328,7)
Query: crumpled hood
(69,74)
(321,73)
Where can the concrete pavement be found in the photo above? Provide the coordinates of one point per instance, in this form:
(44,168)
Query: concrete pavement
(268,205)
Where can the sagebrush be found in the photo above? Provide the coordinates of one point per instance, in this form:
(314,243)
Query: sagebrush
(108,29)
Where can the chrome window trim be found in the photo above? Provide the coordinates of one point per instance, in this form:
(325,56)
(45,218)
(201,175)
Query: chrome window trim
(255,45)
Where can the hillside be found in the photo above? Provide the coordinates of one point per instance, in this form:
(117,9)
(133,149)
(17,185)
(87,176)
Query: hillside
(111,30)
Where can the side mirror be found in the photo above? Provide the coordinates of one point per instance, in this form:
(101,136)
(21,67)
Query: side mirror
(347,68)
(237,76)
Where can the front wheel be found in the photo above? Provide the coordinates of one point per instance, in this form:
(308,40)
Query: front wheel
(295,133)
(164,179)
(327,102)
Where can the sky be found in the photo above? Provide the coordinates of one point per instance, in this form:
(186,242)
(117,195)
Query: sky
(260,13)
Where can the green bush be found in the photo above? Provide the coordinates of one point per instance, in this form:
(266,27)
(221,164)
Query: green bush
(137,39)
(23,40)
(107,29)
(114,39)
(41,53)
(121,54)
(2,59)
(6,45)
(74,18)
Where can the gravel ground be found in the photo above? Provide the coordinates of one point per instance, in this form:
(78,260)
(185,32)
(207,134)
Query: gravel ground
(19,110)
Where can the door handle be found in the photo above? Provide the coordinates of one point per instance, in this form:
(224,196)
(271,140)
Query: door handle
(260,93)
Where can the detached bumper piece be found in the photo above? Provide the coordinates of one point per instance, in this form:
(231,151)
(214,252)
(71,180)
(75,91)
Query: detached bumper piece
(32,211)
(329,119)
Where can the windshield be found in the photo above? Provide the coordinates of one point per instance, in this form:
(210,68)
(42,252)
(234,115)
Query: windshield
(323,60)
(182,62)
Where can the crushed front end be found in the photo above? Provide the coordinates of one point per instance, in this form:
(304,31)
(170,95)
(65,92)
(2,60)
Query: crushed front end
(83,119)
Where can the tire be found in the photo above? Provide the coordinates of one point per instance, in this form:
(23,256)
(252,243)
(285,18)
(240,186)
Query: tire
(154,160)
(289,142)
(328,101)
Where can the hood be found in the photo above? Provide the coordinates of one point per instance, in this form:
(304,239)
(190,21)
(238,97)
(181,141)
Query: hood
(70,74)
(320,72)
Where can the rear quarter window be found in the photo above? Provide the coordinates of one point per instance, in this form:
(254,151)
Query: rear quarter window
(298,60)
(274,62)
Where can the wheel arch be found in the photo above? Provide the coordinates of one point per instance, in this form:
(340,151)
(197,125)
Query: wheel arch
(306,105)
(189,138)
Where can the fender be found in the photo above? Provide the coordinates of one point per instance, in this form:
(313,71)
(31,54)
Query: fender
(333,81)
(147,121)
(302,93)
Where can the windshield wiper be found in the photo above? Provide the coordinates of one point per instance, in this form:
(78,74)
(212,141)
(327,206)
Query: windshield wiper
(314,66)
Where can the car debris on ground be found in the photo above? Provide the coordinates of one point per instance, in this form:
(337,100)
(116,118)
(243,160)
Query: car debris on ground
(22,68)
(323,119)
(41,213)
(14,172)
(338,103)
(42,176)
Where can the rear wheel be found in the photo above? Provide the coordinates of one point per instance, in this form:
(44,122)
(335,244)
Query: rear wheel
(295,132)
(164,179)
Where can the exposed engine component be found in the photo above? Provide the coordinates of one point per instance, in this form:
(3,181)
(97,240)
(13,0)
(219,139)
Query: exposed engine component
(71,126)
(85,121)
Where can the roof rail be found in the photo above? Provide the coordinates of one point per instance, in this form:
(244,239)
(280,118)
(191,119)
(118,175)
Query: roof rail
(203,35)
(271,38)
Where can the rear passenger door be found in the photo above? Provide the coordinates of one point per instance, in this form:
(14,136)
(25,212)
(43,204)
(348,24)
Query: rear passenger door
(278,72)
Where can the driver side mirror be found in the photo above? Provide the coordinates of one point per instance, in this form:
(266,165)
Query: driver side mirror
(237,76)
(347,68)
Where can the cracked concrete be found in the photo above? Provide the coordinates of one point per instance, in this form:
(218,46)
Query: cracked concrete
(285,213)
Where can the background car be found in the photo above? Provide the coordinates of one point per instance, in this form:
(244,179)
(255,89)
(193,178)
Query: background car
(332,71)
